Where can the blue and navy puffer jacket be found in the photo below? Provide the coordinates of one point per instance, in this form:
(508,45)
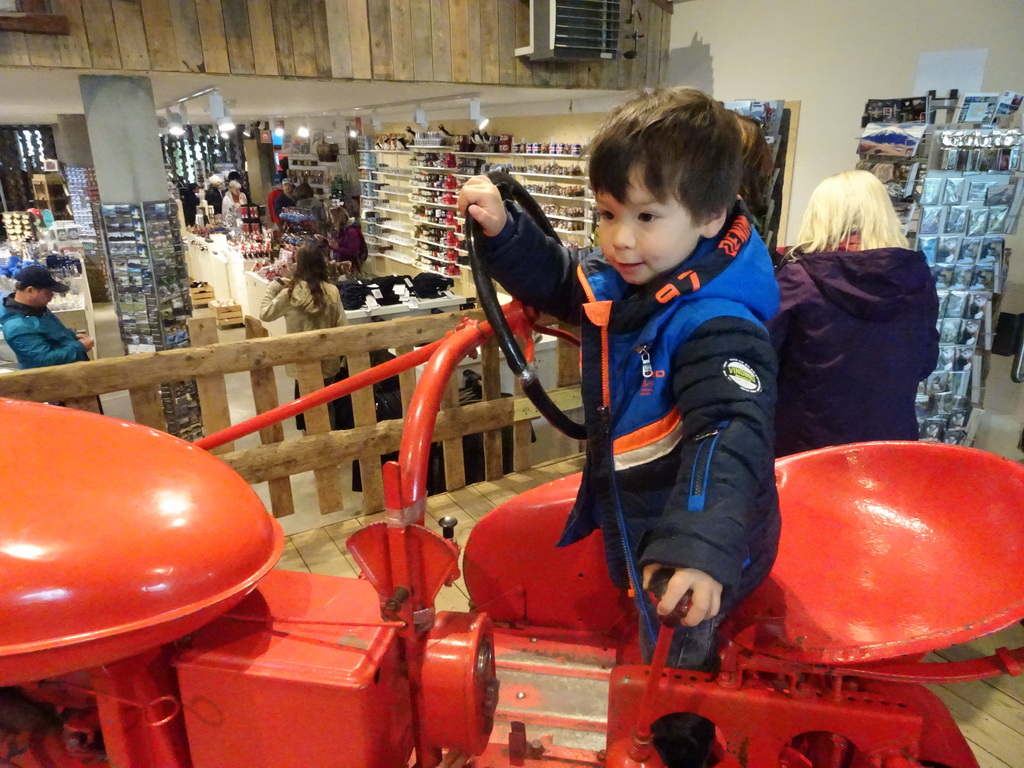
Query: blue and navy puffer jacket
(37,337)
(678,382)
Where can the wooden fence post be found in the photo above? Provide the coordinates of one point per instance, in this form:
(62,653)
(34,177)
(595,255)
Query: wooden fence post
(213,393)
(148,406)
(364,414)
(569,365)
(454,462)
(328,482)
(490,364)
(264,396)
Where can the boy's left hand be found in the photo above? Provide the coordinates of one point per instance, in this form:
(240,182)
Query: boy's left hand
(706,598)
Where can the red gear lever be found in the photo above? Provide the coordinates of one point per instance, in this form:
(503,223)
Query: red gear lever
(641,751)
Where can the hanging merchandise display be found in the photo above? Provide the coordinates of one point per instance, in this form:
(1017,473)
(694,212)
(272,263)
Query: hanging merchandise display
(199,150)
(150,284)
(765,202)
(85,198)
(22,151)
(958,187)
(409,189)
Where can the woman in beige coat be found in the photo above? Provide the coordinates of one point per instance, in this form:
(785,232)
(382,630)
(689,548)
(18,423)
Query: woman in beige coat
(308,302)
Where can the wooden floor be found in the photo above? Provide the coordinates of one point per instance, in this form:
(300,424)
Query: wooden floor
(990,713)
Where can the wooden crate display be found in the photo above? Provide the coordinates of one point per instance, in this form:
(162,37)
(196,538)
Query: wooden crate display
(227,313)
(201,295)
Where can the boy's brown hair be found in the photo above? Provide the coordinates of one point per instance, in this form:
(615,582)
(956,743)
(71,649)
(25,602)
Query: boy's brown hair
(682,144)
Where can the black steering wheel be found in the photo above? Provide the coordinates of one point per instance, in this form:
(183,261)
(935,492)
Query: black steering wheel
(524,370)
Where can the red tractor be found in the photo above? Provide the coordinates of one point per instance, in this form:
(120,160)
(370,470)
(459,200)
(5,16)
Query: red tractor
(143,625)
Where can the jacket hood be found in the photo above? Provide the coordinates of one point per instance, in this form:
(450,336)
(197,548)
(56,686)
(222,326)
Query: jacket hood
(302,298)
(877,284)
(734,265)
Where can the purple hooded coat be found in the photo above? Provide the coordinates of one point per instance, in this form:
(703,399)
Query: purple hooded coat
(855,333)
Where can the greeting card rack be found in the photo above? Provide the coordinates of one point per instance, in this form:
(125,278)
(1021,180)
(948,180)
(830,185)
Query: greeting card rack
(775,119)
(957,187)
(150,282)
(966,202)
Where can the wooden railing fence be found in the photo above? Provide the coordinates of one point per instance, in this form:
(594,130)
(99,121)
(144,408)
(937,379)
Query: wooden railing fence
(320,450)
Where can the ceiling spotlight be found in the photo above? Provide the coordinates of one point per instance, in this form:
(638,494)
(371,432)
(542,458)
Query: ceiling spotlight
(247,130)
(219,112)
(474,114)
(353,133)
(174,125)
(225,135)
(303,131)
(279,130)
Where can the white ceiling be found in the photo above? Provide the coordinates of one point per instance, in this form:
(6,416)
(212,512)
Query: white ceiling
(37,96)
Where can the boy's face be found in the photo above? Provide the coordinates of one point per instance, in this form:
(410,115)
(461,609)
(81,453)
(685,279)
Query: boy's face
(644,238)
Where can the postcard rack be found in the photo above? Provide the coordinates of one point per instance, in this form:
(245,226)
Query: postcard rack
(151,295)
(959,192)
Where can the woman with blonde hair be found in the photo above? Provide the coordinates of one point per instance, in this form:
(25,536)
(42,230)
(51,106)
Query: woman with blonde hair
(856,329)
(231,205)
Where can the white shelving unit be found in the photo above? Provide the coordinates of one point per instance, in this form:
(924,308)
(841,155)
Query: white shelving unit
(318,173)
(413,192)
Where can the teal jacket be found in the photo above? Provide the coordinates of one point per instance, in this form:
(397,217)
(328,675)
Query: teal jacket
(37,337)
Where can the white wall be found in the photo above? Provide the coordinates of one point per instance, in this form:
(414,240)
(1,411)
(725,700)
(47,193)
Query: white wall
(832,57)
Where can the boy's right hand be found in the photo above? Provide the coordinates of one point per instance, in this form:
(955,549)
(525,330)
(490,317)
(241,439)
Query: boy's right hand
(480,199)
(705,593)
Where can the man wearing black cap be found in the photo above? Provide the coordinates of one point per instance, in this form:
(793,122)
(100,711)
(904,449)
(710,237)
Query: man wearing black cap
(32,331)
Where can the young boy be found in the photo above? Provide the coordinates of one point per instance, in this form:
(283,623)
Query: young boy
(678,370)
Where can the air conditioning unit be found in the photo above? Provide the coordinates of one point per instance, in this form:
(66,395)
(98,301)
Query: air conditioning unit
(572,29)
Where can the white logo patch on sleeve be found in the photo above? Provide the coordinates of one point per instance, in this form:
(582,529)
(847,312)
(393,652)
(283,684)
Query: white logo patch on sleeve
(742,375)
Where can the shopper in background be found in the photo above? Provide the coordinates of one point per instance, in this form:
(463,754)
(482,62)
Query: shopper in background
(190,202)
(231,207)
(305,201)
(214,192)
(308,302)
(31,330)
(758,164)
(856,329)
(348,247)
(236,176)
(280,198)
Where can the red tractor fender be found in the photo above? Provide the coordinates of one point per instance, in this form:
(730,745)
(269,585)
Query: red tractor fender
(515,573)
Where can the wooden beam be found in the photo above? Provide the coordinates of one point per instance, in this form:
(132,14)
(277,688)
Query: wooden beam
(34,23)
(213,391)
(490,365)
(266,462)
(264,396)
(310,378)
(148,407)
(364,414)
(93,377)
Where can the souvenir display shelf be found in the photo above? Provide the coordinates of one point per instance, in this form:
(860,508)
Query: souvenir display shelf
(966,189)
(150,286)
(774,119)
(85,197)
(408,201)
